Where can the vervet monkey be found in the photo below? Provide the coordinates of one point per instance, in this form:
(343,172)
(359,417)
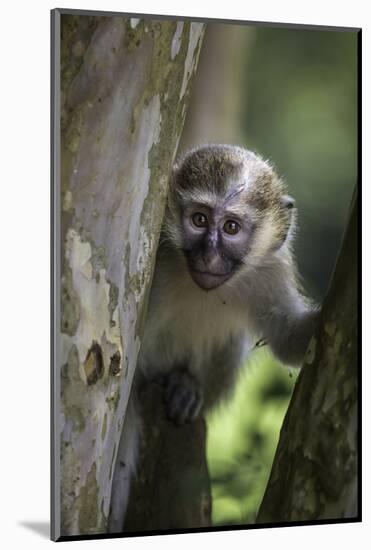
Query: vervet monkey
(224,279)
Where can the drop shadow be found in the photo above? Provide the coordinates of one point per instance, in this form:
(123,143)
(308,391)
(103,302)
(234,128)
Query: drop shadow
(42,528)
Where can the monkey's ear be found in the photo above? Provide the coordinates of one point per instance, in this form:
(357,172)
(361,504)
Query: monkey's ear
(288,202)
(288,220)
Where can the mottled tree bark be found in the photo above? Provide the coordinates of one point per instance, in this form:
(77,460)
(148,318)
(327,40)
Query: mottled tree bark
(314,473)
(124,87)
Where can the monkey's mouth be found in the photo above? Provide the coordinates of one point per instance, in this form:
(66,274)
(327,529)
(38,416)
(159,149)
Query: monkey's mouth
(207,280)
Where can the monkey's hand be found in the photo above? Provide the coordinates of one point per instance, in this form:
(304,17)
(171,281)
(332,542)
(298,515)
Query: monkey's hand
(290,333)
(183,397)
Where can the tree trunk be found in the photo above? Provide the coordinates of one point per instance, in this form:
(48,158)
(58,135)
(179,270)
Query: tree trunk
(172,490)
(314,473)
(219,94)
(124,88)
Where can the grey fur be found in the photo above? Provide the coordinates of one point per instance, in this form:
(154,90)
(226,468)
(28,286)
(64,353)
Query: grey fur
(204,333)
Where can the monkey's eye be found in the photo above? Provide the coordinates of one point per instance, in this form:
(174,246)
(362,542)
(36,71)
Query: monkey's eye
(199,219)
(231,227)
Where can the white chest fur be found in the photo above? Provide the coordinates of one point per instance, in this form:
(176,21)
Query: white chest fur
(186,324)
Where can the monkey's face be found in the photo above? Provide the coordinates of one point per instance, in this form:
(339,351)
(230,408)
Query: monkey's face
(215,242)
(227,212)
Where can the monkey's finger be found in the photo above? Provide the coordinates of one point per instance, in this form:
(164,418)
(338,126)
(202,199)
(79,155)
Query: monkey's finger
(174,381)
(195,409)
(170,389)
(179,405)
(186,408)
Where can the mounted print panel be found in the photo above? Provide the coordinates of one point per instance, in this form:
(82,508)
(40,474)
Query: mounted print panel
(205,304)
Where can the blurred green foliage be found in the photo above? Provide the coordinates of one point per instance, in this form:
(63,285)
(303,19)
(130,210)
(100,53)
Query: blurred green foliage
(242,438)
(300,112)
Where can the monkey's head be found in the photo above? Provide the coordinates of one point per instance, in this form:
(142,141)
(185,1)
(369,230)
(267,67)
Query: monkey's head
(227,212)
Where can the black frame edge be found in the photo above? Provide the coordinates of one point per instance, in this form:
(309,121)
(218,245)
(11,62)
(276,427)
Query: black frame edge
(54,271)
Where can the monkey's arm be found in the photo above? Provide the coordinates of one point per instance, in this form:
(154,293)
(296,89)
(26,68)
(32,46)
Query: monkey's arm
(287,319)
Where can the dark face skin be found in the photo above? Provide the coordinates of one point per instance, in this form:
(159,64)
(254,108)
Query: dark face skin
(215,243)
